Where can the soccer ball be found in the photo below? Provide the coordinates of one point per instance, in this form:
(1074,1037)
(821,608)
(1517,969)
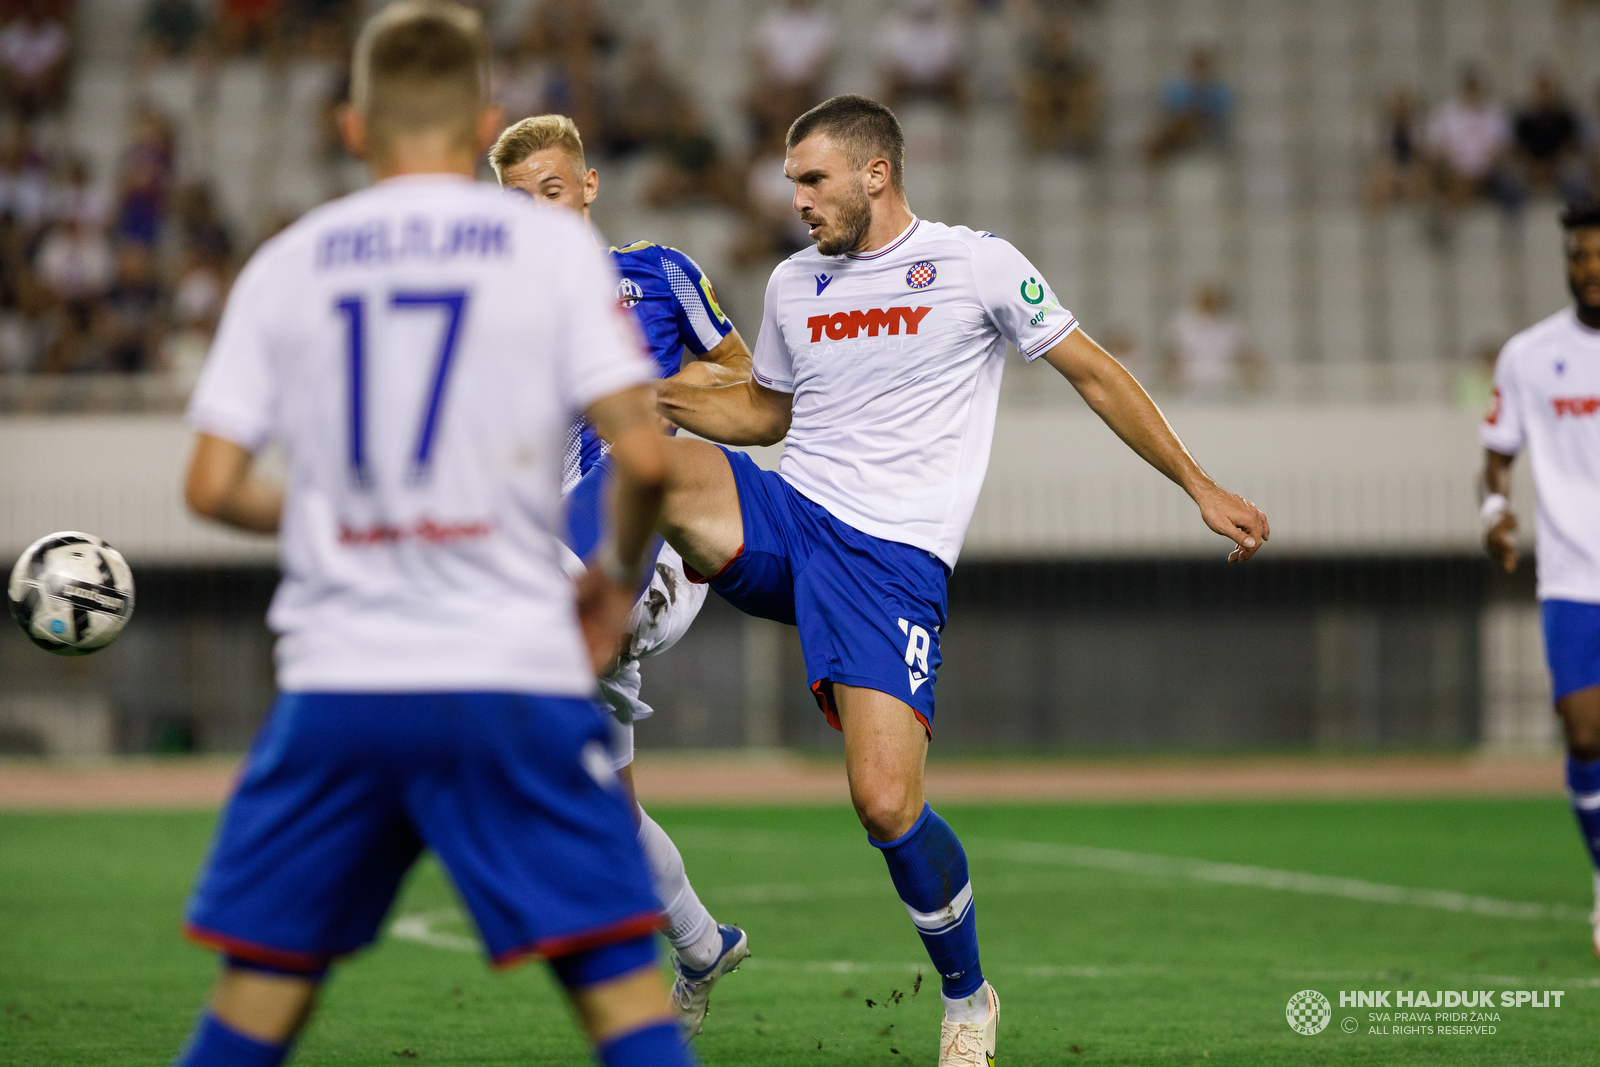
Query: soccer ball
(71,593)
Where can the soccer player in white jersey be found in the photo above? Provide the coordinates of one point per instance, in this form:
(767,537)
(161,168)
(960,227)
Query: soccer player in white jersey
(419,350)
(878,364)
(1547,400)
(673,304)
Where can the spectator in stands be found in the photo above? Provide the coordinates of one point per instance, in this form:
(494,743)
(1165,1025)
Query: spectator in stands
(646,101)
(689,167)
(201,227)
(33,59)
(1210,352)
(24,189)
(1399,172)
(1468,138)
(1547,153)
(770,228)
(75,267)
(520,83)
(129,319)
(1059,91)
(22,328)
(574,36)
(196,305)
(923,52)
(77,197)
(247,26)
(794,49)
(147,167)
(321,28)
(171,28)
(1196,111)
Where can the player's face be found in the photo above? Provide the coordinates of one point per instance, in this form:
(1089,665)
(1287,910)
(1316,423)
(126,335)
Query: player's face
(1583,266)
(552,175)
(829,194)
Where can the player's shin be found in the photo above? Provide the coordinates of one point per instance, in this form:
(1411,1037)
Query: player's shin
(255,1012)
(929,870)
(690,927)
(618,995)
(1583,788)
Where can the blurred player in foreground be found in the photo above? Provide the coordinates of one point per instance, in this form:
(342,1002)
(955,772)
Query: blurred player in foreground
(1547,399)
(677,310)
(419,349)
(880,357)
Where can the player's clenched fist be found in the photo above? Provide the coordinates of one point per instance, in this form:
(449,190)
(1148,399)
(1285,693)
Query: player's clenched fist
(1237,519)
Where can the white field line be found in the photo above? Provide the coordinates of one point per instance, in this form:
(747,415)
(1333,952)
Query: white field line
(1155,866)
(1151,865)
(419,928)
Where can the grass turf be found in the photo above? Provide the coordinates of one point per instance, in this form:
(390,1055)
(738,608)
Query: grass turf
(1093,965)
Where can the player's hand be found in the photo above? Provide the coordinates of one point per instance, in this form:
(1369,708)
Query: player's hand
(603,608)
(1501,540)
(1235,518)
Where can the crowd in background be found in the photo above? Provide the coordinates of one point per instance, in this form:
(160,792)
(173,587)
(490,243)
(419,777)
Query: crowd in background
(128,274)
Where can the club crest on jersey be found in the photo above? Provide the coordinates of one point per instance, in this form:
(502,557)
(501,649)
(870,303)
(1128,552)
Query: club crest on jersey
(629,293)
(921,275)
(1032,291)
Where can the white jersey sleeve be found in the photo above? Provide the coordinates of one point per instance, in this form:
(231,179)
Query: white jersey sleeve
(603,353)
(236,396)
(1017,298)
(1503,428)
(772,362)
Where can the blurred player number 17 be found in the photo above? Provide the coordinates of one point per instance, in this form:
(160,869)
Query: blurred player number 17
(354,310)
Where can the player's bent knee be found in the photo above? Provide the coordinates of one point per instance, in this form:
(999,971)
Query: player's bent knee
(886,813)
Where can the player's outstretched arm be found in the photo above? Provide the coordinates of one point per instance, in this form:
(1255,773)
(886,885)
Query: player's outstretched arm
(726,364)
(1499,523)
(222,485)
(1123,404)
(745,413)
(606,591)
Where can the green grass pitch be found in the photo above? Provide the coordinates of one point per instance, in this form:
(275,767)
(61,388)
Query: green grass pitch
(1102,962)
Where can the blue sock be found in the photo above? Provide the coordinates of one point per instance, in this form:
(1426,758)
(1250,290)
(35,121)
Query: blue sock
(214,1044)
(1583,785)
(660,1045)
(929,869)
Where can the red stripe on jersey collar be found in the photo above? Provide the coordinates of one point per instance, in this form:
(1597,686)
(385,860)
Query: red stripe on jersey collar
(896,243)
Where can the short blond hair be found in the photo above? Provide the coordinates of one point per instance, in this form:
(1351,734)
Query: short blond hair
(420,65)
(522,139)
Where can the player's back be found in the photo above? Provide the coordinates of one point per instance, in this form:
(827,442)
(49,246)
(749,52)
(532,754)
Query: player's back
(419,349)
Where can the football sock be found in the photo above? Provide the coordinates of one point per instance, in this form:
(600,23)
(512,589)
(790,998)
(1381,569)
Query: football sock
(657,1045)
(929,869)
(215,1044)
(973,1009)
(690,927)
(1583,788)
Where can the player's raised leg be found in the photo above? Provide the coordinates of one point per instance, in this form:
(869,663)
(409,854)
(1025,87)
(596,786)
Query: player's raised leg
(700,514)
(1580,715)
(886,747)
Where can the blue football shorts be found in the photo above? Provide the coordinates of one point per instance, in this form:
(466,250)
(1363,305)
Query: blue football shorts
(1571,645)
(869,611)
(342,791)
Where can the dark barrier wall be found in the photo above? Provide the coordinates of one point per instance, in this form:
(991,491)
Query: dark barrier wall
(1102,656)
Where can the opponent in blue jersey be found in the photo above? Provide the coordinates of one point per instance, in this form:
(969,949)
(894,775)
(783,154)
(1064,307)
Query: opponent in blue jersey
(688,337)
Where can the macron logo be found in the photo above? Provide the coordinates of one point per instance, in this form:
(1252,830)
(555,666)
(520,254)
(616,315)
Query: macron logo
(842,324)
(822,282)
(1576,405)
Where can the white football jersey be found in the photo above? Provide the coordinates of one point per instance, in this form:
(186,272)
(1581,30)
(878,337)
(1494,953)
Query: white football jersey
(1547,398)
(894,359)
(419,350)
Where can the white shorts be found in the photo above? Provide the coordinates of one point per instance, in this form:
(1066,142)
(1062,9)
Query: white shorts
(659,619)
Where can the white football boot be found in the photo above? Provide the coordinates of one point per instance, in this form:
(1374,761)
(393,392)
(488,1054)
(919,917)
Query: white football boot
(970,1044)
(691,990)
